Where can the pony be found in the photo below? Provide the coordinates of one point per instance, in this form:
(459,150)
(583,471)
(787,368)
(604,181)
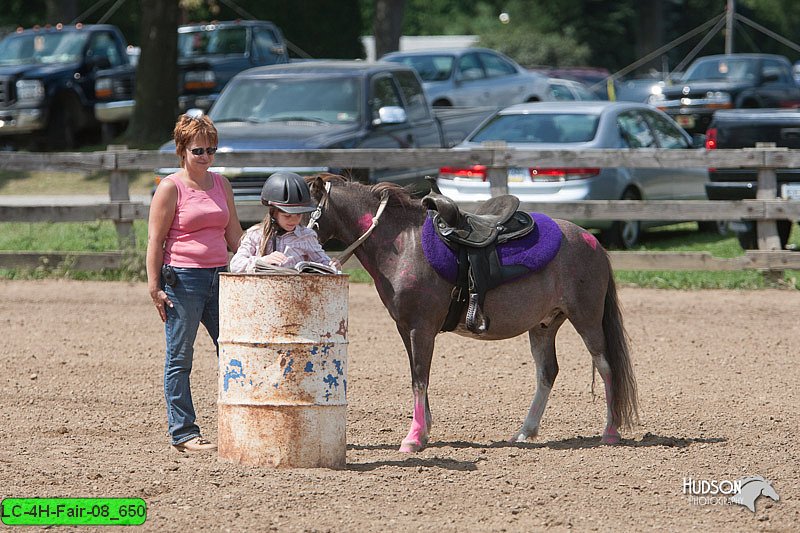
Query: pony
(576,285)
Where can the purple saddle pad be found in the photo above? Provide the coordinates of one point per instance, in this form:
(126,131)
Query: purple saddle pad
(534,250)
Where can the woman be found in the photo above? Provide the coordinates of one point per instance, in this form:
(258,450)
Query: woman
(192,226)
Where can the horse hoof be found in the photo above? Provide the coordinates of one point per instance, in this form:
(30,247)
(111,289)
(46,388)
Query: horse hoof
(410,447)
(522,436)
(611,438)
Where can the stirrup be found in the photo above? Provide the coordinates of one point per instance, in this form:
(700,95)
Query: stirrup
(475,321)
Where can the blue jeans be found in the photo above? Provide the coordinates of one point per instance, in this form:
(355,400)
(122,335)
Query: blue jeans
(195,296)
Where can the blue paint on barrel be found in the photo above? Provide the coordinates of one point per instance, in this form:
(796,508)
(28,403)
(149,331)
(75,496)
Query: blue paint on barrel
(234,373)
(288,369)
(309,367)
(331,381)
(338,365)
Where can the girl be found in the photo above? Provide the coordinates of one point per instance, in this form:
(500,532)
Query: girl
(280,239)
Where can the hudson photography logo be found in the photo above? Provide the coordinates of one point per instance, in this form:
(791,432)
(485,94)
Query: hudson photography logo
(744,491)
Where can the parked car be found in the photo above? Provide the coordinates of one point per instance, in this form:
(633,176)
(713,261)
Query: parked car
(595,78)
(733,81)
(473,77)
(47,82)
(566,90)
(331,104)
(637,89)
(209,55)
(744,128)
(578,126)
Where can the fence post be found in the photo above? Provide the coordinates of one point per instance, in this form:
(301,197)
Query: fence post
(767,230)
(119,192)
(497,175)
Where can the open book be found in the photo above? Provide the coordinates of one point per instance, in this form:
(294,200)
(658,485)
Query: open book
(302,267)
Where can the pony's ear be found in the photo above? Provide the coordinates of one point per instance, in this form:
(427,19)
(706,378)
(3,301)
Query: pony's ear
(317,186)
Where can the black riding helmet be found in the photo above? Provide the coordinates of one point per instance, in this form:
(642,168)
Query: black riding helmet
(288,192)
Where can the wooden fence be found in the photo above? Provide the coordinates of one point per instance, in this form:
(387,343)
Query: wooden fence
(764,210)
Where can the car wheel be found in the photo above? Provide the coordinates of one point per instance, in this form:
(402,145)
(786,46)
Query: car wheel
(748,240)
(623,233)
(62,131)
(109,131)
(718,227)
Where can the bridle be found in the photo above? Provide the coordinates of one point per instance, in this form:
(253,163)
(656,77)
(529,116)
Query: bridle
(317,213)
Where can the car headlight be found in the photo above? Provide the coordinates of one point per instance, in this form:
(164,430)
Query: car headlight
(30,91)
(200,79)
(718,99)
(103,88)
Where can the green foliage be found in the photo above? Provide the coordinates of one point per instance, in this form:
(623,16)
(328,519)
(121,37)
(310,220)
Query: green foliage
(530,48)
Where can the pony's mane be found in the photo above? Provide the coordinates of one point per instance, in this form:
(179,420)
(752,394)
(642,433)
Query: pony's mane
(400,195)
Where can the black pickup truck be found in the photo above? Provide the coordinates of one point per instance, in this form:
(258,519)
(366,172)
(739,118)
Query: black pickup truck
(744,128)
(209,55)
(331,104)
(47,82)
(734,81)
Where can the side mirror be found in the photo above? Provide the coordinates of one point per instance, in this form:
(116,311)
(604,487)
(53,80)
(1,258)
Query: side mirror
(699,140)
(390,115)
(277,50)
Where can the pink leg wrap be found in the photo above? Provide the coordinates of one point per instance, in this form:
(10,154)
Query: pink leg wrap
(610,435)
(418,434)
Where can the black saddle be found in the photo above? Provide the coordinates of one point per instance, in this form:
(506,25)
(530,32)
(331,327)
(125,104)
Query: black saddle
(474,237)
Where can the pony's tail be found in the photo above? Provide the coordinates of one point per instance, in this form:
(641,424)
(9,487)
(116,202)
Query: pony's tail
(625,403)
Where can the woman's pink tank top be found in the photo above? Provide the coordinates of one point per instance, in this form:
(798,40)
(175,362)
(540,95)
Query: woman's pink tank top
(196,238)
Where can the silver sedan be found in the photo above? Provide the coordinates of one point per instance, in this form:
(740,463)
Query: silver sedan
(471,77)
(578,126)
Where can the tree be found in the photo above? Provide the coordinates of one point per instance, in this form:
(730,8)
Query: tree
(156,76)
(63,11)
(388,25)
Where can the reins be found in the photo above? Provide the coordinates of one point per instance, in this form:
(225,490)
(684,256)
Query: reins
(345,255)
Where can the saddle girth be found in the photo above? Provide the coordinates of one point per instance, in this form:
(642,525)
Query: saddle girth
(474,237)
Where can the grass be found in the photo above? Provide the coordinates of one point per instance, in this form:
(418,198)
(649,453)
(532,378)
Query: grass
(101,236)
(685,238)
(66,183)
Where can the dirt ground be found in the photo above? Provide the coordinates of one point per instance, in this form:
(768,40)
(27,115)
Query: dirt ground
(82,415)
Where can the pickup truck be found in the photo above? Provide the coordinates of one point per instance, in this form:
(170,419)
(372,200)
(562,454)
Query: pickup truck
(331,104)
(47,82)
(734,81)
(209,55)
(743,128)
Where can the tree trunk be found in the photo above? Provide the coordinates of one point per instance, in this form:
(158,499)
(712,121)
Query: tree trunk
(650,31)
(63,11)
(388,25)
(156,76)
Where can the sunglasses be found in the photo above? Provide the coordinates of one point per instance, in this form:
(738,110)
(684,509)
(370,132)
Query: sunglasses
(211,150)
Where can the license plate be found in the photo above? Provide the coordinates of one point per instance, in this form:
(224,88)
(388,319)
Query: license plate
(790,191)
(685,121)
(517,174)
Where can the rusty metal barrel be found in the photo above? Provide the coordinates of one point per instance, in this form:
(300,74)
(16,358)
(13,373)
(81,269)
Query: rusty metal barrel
(283,370)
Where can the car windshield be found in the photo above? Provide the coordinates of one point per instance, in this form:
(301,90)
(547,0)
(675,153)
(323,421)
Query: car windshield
(212,40)
(539,128)
(49,47)
(722,69)
(287,99)
(429,67)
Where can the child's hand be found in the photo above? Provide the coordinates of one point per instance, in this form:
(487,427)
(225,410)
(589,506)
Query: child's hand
(275,258)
